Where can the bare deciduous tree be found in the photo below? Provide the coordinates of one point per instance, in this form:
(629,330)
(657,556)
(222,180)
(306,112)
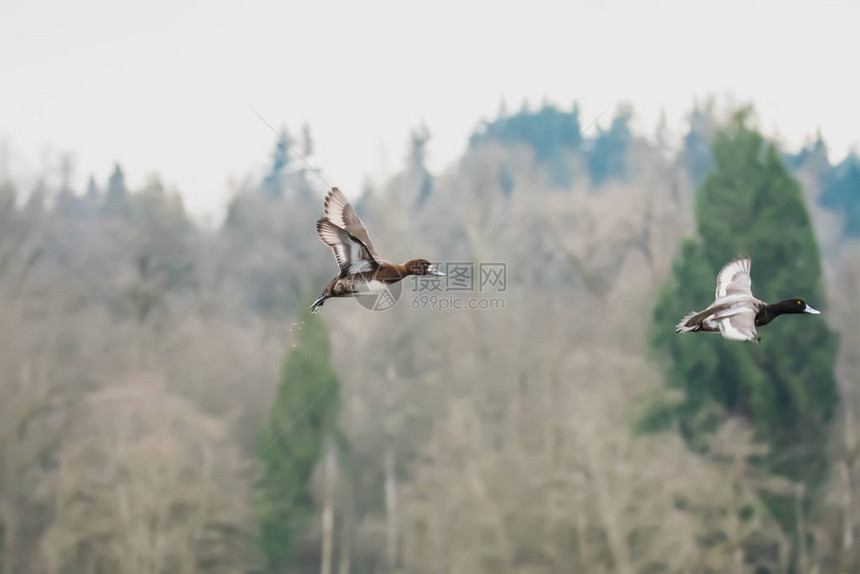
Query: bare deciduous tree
(147,483)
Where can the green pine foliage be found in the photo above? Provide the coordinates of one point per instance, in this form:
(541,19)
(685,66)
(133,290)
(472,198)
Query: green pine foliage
(273,182)
(302,416)
(554,133)
(608,156)
(116,198)
(549,131)
(697,154)
(750,204)
(842,192)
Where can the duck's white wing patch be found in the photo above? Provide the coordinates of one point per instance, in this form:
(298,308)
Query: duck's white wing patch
(351,254)
(360,258)
(373,286)
(739,326)
(734,279)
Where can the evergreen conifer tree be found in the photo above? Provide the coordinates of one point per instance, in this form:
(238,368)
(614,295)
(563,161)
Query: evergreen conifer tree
(302,417)
(750,204)
(116,198)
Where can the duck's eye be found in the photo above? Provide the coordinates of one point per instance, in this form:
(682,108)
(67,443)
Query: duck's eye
(800,303)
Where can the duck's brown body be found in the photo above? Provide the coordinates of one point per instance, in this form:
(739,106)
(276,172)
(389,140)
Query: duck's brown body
(350,284)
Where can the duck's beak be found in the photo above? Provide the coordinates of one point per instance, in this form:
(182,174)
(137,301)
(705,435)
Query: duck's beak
(811,311)
(433,271)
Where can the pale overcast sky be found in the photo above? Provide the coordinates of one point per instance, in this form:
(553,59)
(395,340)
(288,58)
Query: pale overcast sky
(166,86)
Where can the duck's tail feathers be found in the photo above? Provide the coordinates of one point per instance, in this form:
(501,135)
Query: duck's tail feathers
(318,303)
(688,324)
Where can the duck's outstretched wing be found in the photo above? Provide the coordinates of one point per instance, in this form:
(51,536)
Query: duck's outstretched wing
(739,325)
(340,212)
(352,255)
(734,279)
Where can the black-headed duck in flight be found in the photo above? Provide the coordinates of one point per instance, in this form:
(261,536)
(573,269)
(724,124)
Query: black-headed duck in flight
(361,269)
(735,312)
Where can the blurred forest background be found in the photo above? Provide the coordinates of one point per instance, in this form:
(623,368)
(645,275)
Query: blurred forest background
(169,407)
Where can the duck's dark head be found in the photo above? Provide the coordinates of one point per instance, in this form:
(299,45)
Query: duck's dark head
(795,306)
(420,267)
(790,306)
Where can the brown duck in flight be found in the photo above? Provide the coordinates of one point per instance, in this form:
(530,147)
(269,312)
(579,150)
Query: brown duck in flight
(361,269)
(735,312)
